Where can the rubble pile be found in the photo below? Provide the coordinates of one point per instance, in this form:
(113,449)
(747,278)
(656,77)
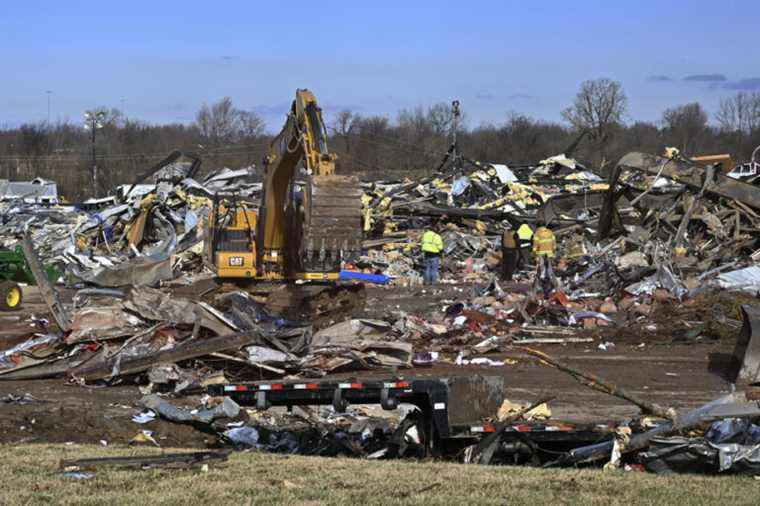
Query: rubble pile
(639,256)
(719,437)
(50,227)
(114,250)
(663,241)
(475,206)
(150,221)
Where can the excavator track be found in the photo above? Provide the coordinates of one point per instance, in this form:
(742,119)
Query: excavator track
(332,227)
(318,303)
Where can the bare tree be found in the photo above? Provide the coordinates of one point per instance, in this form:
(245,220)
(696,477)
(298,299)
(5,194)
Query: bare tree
(423,135)
(370,153)
(413,124)
(343,125)
(441,118)
(410,146)
(598,107)
(642,136)
(685,126)
(203,121)
(31,139)
(740,113)
(374,126)
(222,122)
(251,125)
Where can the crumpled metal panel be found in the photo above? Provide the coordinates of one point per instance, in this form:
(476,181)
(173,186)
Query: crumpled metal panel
(693,175)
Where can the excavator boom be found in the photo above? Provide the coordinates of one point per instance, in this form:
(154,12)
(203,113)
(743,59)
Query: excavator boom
(309,233)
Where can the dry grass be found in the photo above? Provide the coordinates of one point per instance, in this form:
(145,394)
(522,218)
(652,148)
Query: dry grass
(30,476)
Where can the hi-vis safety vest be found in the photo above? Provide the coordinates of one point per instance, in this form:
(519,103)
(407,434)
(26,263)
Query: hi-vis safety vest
(432,242)
(544,242)
(525,233)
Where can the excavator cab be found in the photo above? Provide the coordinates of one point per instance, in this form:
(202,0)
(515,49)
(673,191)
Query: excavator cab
(232,237)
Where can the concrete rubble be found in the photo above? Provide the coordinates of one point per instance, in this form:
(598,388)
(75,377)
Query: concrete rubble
(655,232)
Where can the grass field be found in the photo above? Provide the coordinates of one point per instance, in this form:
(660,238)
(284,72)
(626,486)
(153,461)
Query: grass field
(30,475)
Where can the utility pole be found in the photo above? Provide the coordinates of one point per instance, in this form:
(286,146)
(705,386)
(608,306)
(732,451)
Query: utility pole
(48,92)
(456,156)
(93,120)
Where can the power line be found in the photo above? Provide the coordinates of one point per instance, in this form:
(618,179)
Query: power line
(408,147)
(405,144)
(360,162)
(227,149)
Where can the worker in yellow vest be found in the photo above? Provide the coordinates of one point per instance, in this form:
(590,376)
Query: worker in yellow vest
(432,246)
(525,244)
(544,249)
(525,233)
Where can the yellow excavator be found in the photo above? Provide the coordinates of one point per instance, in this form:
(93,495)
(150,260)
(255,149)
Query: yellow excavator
(305,230)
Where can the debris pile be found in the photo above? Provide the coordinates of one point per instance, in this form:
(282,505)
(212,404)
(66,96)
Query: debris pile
(474,207)
(150,235)
(655,255)
(654,237)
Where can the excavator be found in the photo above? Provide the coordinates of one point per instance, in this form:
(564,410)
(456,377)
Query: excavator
(307,227)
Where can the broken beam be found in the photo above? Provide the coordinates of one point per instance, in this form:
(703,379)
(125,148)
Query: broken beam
(188,349)
(175,460)
(602,385)
(693,175)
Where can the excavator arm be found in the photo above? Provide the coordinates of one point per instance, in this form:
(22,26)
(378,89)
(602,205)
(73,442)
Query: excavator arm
(307,226)
(310,233)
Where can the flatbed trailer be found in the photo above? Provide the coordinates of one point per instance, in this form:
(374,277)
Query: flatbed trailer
(454,412)
(474,397)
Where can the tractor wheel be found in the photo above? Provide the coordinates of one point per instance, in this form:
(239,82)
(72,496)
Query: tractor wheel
(10,296)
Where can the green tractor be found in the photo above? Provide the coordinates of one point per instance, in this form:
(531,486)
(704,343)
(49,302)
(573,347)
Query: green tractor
(14,269)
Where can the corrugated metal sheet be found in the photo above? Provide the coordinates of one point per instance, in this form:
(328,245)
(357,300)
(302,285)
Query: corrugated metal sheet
(37,190)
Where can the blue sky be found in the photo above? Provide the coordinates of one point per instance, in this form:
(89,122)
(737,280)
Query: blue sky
(162,59)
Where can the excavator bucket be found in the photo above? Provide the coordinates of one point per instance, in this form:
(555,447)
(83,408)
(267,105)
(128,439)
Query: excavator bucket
(332,225)
(746,356)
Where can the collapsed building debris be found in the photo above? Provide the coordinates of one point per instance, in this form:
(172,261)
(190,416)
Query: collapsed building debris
(36,191)
(136,300)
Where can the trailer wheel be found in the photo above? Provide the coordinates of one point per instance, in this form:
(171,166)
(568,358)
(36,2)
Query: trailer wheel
(10,296)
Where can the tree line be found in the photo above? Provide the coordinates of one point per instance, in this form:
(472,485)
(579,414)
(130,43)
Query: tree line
(416,140)
(412,143)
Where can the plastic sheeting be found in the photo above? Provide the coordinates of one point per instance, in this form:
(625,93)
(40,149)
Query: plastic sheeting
(227,409)
(731,445)
(460,186)
(747,279)
(504,174)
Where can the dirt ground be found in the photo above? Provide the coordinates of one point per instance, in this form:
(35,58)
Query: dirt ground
(678,374)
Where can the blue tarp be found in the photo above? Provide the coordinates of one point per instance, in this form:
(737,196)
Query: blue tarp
(379,279)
